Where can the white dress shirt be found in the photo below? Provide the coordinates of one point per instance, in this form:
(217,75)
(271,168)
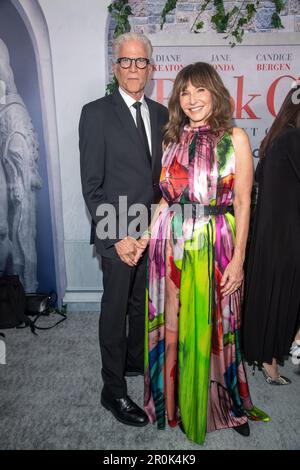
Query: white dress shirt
(144,111)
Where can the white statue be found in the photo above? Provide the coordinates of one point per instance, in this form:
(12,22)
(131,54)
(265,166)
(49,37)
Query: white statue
(19,179)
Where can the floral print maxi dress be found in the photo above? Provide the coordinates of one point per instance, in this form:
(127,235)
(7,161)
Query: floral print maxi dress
(194,373)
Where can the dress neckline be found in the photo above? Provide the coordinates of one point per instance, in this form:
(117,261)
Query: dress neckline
(199,129)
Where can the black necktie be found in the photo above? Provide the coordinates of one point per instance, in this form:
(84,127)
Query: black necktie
(141,128)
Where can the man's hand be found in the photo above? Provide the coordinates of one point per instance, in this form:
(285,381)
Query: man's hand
(126,250)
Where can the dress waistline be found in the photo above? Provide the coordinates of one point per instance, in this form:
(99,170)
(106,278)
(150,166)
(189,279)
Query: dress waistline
(199,209)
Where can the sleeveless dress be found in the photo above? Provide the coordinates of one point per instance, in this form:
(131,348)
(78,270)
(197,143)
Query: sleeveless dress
(194,374)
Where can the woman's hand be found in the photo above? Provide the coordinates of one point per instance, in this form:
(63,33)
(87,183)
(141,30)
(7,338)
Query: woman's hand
(141,247)
(144,240)
(233,277)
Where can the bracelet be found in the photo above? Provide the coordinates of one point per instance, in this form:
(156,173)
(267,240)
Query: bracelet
(146,233)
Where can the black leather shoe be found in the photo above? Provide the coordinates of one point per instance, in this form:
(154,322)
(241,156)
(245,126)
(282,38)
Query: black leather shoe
(125,410)
(243,429)
(133,373)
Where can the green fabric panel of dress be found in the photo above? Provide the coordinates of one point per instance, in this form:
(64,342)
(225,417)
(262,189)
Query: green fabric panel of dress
(195,332)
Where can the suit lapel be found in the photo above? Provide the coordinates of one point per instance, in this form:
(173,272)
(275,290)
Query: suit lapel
(125,118)
(154,130)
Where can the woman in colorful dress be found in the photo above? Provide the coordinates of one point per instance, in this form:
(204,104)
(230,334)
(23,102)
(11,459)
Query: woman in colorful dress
(272,309)
(194,374)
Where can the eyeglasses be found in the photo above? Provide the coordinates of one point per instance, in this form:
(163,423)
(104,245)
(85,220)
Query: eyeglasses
(140,62)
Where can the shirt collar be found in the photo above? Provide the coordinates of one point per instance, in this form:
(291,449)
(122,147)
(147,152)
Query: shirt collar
(129,100)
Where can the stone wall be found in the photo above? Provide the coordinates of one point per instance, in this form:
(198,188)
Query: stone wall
(147,16)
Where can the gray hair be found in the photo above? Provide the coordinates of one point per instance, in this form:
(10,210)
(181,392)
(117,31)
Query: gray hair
(129,37)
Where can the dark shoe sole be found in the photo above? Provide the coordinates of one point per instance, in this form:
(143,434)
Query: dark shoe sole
(123,421)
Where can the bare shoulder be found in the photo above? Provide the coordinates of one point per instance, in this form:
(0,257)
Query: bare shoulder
(241,143)
(239,136)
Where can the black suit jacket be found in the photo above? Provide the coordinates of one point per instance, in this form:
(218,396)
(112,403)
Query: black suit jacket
(113,160)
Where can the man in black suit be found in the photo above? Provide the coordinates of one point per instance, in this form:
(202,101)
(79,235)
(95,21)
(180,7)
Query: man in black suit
(120,153)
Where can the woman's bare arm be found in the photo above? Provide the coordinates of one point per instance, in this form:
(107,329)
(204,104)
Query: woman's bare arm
(233,275)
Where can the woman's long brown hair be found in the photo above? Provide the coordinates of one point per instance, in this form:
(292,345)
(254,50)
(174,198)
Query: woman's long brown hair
(288,116)
(199,75)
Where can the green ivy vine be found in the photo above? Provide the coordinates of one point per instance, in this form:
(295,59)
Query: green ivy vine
(231,21)
(120,10)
